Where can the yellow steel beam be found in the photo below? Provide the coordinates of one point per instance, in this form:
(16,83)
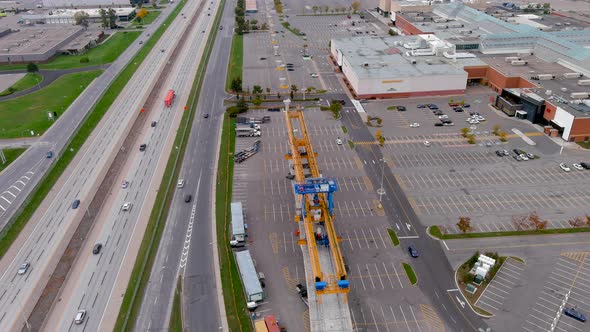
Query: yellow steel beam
(300,177)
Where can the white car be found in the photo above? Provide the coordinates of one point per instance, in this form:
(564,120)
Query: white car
(23,268)
(524,156)
(125,184)
(564,167)
(578,167)
(81,314)
(314,75)
(180,183)
(338,141)
(444,116)
(426,143)
(126,206)
(414,125)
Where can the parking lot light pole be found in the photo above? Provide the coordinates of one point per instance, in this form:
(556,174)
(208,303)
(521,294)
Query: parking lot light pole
(381,190)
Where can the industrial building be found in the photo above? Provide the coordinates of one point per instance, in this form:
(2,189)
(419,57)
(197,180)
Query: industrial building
(252,287)
(35,44)
(237,222)
(86,3)
(66,16)
(251,6)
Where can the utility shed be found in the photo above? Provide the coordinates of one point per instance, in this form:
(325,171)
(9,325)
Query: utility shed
(254,292)
(238,231)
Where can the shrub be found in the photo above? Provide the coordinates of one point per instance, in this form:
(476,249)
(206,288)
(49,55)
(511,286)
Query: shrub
(84,59)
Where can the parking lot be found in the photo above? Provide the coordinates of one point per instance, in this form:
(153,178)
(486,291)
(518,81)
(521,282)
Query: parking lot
(375,272)
(498,291)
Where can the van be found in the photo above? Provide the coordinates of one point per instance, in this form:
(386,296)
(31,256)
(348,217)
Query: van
(80,317)
(188,198)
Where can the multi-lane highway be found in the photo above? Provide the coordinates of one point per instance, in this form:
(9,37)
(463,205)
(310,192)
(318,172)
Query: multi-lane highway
(56,221)
(17,181)
(187,247)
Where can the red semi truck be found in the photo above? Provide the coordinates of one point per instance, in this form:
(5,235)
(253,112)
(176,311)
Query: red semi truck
(169,98)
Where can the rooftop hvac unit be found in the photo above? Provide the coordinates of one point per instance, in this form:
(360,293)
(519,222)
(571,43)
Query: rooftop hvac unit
(413,61)
(465,32)
(366,64)
(545,77)
(457,25)
(511,58)
(572,75)
(584,82)
(579,95)
(440,20)
(518,63)
(443,26)
(563,89)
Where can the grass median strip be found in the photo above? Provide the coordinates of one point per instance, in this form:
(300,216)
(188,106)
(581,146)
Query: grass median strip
(435,232)
(21,115)
(175,324)
(393,237)
(410,273)
(39,193)
(233,292)
(149,246)
(10,155)
(236,60)
(28,81)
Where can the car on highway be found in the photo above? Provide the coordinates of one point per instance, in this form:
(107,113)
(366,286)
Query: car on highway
(140,42)
(413,252)
(578,167)
(414,125)
(426,143)
(97,248)
(75,204)
(180,183)
(338,141)
(564,167)
(80,315)
(126,206)
(162,50)
(49,154)
(575,314)
(24,267)
(206,115)
(314,75)
(124,184)
(290,69)
(188,198)
(221,27)
(154,123)
(262,58)
(142,147)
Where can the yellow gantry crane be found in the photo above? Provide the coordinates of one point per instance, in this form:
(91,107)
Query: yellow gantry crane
(315,193)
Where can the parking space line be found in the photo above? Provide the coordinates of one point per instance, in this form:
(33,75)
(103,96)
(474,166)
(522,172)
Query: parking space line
(379,276)
(387,274)
(384,318)
(361,277)
(397,275)
(415,320)
(404,315)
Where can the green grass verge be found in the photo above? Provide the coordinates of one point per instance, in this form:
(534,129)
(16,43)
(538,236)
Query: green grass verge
(238,318)
(175,324)
(393,237)
(20,115)
(27,82)
(11,155)
(410,273)
(435,231)
(149,246)
(288,26)
(148,19)
(106,52)
(585,145)
(10,233)
(391,108)
(344,129)
(351,144)
(236,60)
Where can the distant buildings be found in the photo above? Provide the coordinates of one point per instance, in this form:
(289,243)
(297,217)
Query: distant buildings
(66,16)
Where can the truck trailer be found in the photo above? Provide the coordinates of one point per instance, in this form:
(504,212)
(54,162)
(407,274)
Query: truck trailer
(247,132)
(169,98)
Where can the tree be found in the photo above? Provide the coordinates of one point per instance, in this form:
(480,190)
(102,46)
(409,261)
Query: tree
(257,89)
(104,18)
(464,132)
(264,26)
(588,221)
(314,9)
(112,15)
(82,18)
(503,136)
(242,105)
(577,222)
(536,221)
(496,130)
(464,224)
(326,9)
(236,84)
(154,3)
(141,14)
(267,90)
(32,68)
(239,11)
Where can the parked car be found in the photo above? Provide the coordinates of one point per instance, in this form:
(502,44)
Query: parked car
(517,157)
(338,141)
(426,143)
(524,157)
(314,75)
(499,153)
(585,165)
(75,204)
(413,252)
(505,152)
(23,268)
(421,106)
(142,147)
(438,124)
(97,248)
(414,125)
(578,167)
(530,155)
(432,106)
(401,108)
(564,167)
(575,314)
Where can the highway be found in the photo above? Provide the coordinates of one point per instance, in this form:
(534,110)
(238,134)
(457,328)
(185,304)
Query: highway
(98,276)
(432,268)
(17,181)
(187,244)
(55,222)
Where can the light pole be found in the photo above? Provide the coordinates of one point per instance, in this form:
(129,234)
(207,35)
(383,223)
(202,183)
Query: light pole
(381,190)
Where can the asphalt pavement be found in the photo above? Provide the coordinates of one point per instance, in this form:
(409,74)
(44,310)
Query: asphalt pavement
(18,180)
(186,249)
(436,276)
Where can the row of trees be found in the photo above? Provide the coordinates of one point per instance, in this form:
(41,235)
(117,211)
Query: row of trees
(354,7)
(108,18)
